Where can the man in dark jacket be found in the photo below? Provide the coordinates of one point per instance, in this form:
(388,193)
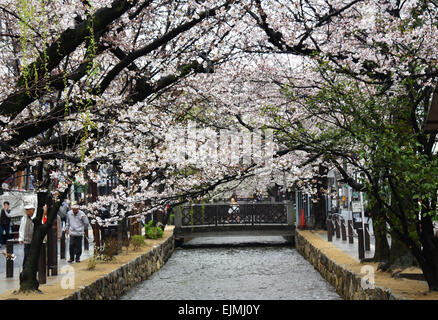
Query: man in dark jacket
(62,212)
(5,222)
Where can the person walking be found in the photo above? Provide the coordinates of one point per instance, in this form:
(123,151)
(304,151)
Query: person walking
(5,222)
(233,211)
(76,224)
(25,232)
(62,212)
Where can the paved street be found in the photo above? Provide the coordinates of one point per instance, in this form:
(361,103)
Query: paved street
(7,284)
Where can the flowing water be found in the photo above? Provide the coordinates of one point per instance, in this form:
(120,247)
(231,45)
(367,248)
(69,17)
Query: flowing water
(235,269)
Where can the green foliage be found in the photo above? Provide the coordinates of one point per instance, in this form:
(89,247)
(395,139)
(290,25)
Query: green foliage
(153,232)
(396,166)
(172,219)
(137,241)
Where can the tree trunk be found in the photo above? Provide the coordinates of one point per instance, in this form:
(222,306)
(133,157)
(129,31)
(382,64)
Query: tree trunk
(319,208)
(428,260)
(400,256)
(28,277)
(382,250)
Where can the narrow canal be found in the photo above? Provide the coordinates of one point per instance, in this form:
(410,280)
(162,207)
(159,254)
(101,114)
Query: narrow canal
(235,269)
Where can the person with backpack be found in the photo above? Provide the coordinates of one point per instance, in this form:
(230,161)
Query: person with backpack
(5,222)
(62,212)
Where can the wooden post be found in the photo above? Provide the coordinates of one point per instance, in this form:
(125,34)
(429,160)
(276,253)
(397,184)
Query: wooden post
(338,231)
(9,262)
(329,230)
(333,228)
(350,231)
(343,232)
(52,250)
(367,237)
(96,235)
(361,244)
(62,245)
(42,278)
(86,243)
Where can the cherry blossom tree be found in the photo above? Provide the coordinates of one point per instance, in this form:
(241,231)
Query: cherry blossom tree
(87,84)
(368,92)
(72,70)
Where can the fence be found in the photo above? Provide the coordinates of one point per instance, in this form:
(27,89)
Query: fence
(223,213)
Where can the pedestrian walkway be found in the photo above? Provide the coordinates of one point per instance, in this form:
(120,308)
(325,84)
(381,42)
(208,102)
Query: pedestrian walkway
(351,249)
(78,276)
(344,254)
(13,283)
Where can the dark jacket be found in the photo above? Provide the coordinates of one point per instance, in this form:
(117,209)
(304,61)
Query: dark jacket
(4,217)
(62,212)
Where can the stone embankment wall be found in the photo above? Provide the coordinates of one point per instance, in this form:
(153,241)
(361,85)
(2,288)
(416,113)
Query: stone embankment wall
(118,282)
(346,282)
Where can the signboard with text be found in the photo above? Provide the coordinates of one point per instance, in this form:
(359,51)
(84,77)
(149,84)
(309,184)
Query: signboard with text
(357,214)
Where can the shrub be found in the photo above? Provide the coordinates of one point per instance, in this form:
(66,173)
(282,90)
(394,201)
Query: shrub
(153,232)
(160,232)
(137,241)
(92,262)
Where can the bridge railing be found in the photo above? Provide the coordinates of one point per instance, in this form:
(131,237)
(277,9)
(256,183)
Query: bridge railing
(223,213)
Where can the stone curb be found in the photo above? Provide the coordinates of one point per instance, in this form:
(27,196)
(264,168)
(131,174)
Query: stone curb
(346,282)
(114,284)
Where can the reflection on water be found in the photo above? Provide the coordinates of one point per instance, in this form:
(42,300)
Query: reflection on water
(235,273)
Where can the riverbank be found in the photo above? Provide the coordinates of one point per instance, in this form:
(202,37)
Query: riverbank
(346,273)
(108,280)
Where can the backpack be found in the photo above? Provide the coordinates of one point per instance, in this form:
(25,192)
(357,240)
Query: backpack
(62,212)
